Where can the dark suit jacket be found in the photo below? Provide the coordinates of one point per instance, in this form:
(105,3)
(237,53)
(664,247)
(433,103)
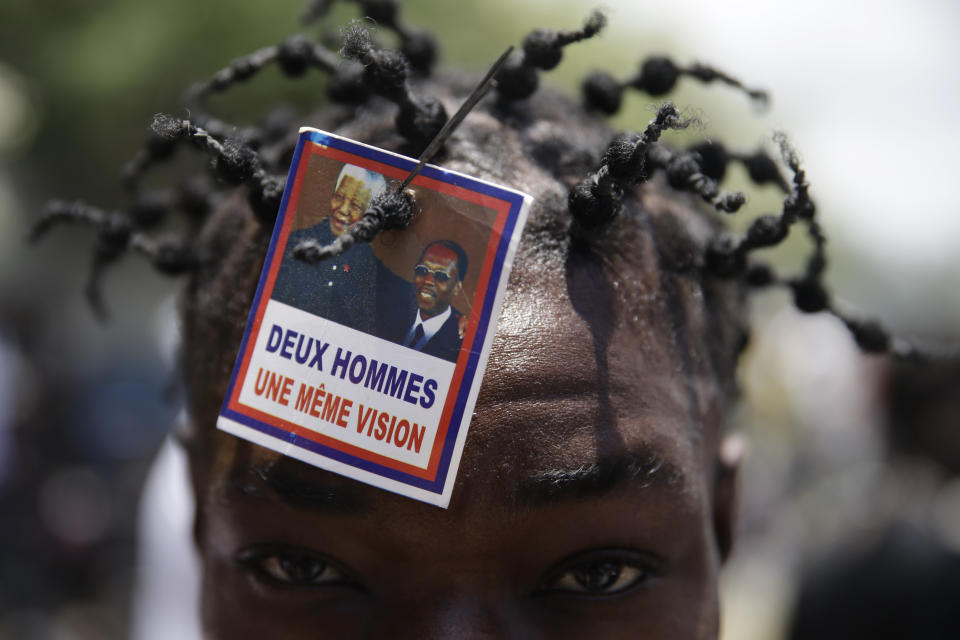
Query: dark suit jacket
(354,289)
(445,343)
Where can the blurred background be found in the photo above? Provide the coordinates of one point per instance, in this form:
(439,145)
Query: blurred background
(840,444)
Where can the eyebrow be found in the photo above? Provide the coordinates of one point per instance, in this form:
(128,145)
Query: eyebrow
(641,468)
(276,480)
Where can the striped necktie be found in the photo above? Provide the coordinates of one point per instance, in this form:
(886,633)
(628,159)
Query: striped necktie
(415,339)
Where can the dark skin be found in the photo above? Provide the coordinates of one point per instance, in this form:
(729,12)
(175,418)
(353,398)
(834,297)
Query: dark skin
(593,498)
(434,295)
(591,502)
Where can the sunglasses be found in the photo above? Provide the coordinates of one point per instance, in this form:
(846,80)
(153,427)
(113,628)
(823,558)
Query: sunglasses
(440,277)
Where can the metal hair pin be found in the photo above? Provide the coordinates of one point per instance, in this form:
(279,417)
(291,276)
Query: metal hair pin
(481,90)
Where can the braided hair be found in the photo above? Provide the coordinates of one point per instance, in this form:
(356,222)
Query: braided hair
(601,196)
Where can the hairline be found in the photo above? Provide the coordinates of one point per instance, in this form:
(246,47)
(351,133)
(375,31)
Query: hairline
(364,176)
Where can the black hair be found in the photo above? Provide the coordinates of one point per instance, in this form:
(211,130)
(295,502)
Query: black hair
(658,76)
(462,261)
(542,50)
(626,194)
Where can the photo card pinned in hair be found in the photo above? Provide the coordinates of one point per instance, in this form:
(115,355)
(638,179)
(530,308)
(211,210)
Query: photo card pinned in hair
(368,364)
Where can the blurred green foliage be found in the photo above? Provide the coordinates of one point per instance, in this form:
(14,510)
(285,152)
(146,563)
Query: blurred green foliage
(95,71)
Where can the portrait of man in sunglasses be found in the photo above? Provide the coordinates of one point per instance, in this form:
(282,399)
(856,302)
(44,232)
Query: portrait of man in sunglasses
(433,325)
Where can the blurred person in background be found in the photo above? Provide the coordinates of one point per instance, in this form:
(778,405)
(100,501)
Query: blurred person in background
(897,573)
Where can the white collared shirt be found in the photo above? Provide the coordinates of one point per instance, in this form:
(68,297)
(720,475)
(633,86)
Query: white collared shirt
(430,325)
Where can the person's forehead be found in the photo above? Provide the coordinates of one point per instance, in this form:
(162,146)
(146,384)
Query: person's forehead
(570,383)
(439,254)
(557,396)
(551,402)
(351,185)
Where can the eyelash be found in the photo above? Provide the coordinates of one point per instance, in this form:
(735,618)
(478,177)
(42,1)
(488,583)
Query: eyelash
(279,566)
(612,572)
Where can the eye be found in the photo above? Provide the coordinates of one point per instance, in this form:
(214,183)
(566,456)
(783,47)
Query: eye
(601,573)
(602,577)
(422,271)
(293,567)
